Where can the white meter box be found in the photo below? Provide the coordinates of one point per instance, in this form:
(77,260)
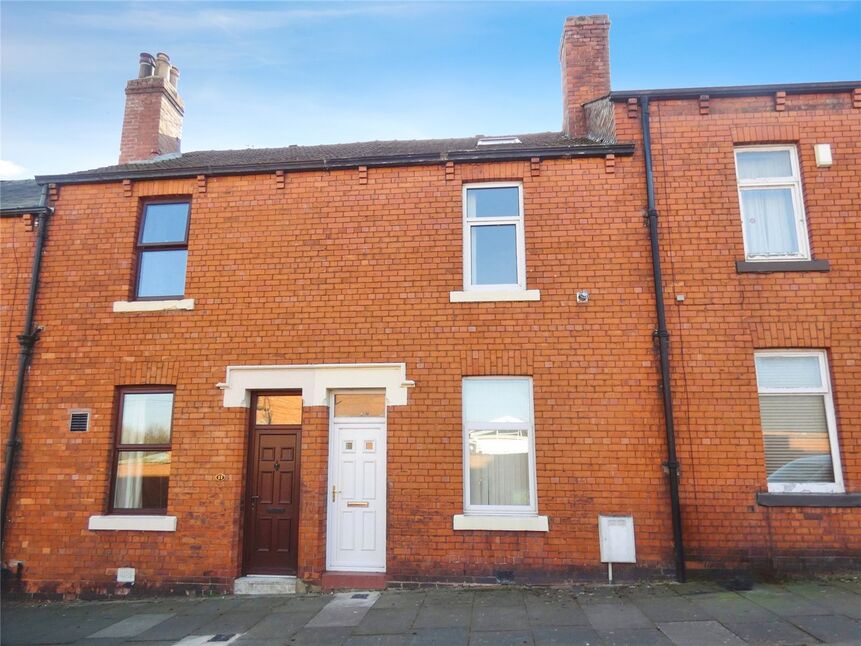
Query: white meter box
(125,575)
(616,535)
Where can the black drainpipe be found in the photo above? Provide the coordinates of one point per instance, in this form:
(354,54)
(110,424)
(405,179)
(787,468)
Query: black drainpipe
(663,336)
(27,341)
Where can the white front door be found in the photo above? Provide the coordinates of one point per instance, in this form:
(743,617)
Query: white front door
(356,536)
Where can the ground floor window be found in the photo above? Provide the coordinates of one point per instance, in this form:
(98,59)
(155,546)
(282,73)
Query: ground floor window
(798,422)
(142,450)
(499,445)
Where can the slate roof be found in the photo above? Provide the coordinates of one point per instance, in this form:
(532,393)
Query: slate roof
(19,195)
(341,155)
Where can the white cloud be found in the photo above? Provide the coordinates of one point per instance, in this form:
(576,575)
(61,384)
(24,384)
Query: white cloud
(167,18)
(11,170)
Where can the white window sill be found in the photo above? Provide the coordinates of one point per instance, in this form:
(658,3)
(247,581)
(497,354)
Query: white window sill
(799,487)
(499,295)
(154,306)
(133,523)
(502,523)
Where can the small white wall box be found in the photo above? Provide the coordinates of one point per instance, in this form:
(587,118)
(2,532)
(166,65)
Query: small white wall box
(823,154)
(125,575)
(616,534)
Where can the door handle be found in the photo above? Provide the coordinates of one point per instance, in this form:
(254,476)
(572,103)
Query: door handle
(254,500)
(334,492)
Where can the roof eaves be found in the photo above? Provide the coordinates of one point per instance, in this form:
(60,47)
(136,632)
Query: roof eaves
(18,212)
(408,159)
(738,90)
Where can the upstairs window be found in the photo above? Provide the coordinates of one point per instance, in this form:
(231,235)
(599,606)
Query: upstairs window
(162,250)
(798,423)
(772,209)
(142,450)
(493,240)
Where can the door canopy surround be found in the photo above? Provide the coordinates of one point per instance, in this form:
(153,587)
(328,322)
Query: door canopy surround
(316,381)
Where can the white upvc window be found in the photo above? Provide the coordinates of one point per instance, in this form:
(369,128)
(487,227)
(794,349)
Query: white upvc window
(799,428)
(494,251)
(771,203)
(498,446)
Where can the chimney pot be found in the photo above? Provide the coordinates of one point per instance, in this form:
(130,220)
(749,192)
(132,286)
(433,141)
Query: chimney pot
(147,65)
(174,77)
(162,65)
(585,59)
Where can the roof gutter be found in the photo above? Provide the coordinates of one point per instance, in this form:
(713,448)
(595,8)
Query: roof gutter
(27,341)
(561,152)
(18,212)
(737,90)
(662,334)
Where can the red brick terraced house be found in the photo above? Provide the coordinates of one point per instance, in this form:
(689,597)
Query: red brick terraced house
(632,342)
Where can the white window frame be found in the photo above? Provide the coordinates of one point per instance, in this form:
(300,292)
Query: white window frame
(519,236)
(830,419)
(500,510)
(793,183)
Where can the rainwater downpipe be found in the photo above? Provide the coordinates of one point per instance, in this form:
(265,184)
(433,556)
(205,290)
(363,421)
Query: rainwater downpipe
(27,340)
(663,336)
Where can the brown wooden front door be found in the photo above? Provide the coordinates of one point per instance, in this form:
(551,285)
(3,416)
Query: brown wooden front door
(272,491)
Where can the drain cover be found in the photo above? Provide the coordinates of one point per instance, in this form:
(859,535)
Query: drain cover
(362,595)
(222,638)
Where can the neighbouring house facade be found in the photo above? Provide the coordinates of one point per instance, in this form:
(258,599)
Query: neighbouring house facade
(401,362)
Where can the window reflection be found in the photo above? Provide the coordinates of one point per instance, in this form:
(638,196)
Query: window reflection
(279,409)
(360,405)
(499,467)
(146,418)
(142,480)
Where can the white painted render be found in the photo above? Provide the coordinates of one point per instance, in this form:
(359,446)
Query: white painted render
(133,522)
(154,306)
(502,523)
(495,295)
(316,381)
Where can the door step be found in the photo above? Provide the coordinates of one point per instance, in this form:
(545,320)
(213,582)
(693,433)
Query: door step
(353,581)
(264,584)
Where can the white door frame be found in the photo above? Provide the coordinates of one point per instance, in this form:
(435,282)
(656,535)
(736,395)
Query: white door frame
(331,507)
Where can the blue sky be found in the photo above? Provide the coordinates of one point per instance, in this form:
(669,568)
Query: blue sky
(264,74)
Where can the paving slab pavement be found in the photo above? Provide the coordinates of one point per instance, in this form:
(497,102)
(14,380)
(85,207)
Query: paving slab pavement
(696,614)
(131,626)
(566,635)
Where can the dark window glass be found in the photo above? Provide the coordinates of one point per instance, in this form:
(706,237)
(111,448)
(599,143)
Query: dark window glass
(162,250)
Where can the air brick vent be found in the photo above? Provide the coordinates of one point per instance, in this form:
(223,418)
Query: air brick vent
(79,421)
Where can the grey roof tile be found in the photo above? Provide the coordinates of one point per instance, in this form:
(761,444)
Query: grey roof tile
(19,194)
(359,150)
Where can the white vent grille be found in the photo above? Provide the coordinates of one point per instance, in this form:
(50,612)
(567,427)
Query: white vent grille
(79,421)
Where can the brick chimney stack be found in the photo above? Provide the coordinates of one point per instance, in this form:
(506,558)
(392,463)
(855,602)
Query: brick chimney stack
(585,58)
(152,124)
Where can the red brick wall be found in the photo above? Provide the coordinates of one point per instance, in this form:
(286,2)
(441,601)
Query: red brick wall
(329,270)
(17,239)
(726,316)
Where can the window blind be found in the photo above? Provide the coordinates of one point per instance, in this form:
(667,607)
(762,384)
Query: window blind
(796,441)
